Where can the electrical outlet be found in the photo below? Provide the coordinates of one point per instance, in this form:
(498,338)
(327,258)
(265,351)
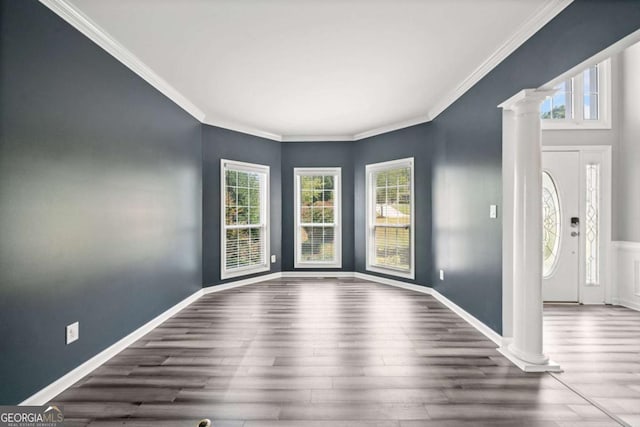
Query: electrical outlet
(493,211)
(73,332)
(441,274)
(273,259)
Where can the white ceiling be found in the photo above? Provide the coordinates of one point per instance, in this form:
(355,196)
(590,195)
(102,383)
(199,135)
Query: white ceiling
(314,69)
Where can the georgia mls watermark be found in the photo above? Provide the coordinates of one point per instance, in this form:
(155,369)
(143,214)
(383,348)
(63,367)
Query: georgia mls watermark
(31,416)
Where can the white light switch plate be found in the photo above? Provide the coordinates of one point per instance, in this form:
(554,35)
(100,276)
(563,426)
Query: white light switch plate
(493,211)
(73,332)
(273,259)
(441,274)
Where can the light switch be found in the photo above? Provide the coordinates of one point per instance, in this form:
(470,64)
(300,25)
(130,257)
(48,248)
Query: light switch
(273,259)
(493,211)
(441,274)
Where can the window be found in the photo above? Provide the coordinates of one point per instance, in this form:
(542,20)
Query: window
(390,218)
(318,239)
(580,102)
(245,218)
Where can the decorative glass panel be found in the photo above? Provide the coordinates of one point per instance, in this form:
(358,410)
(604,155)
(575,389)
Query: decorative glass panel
(551,217)
(592,225)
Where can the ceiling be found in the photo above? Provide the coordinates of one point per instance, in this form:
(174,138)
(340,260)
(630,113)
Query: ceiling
(310,69)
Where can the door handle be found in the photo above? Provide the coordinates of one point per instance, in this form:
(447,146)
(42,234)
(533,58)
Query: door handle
(575,233)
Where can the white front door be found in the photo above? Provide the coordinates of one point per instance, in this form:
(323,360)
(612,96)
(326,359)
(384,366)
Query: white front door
(561,225)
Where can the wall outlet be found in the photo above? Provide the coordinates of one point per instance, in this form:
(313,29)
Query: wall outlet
(493,211)
(273,259)
(73,332)
(441,274)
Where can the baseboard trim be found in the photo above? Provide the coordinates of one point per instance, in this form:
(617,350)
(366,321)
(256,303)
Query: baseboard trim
(629,304)
(242,282)
(61,384)
(465,315)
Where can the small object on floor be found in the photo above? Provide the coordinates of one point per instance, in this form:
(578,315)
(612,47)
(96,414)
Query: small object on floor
(205,423)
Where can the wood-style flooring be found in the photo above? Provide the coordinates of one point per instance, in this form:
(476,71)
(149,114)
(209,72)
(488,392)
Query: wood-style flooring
(598,347)
(325,352)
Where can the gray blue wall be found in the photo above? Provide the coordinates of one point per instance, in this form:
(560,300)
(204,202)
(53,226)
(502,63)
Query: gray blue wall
(100,199)
(104,183)
(417,142)
(467,167)
(317,154)
(219,144)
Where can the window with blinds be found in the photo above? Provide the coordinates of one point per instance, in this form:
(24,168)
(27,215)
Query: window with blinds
(318,240)
(245,222)
(390,218)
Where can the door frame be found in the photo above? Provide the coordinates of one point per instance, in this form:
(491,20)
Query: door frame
(594,294)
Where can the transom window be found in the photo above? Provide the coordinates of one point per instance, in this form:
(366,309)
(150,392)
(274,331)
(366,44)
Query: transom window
(390,218)
(580,102)
(245,218)
(318,238)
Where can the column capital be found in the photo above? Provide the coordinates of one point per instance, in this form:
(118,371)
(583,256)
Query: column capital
(526,101)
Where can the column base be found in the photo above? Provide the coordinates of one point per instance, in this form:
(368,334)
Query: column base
(547,366)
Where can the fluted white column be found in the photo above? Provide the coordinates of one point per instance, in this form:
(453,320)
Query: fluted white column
(522,145)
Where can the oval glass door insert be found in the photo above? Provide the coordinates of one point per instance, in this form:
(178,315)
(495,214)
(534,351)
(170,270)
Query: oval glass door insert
(550,224)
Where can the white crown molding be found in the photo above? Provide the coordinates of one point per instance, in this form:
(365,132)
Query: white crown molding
(86,26)
(391,127)
(99,36)
(545,14)
(237,127)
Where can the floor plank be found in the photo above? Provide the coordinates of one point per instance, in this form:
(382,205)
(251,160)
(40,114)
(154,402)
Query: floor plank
(598,347)
(328,352)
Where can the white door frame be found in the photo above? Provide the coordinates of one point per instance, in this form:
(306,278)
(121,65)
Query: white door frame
(594,294)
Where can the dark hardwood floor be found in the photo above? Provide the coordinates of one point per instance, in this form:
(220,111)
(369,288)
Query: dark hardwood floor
(320,353)
(598,348)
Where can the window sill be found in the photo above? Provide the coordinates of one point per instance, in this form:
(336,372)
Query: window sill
(317,265)
(244,271)
(391,272)
(568,125)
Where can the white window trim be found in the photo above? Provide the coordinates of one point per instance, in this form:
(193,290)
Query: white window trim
(265,266)
(337,172)
(604,100)
(370,169)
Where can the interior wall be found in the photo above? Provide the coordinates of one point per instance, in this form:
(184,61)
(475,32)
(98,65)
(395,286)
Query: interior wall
(317,154)
(100,199)
(418,142)
(626,225)
(467,167)
(217,144)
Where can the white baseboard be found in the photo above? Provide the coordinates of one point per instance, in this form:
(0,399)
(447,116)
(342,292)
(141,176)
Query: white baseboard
(52,390)
(629,304)
(465,315)
(61,384)
(241,282)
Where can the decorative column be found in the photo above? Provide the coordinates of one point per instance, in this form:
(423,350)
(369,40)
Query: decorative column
(522,174)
